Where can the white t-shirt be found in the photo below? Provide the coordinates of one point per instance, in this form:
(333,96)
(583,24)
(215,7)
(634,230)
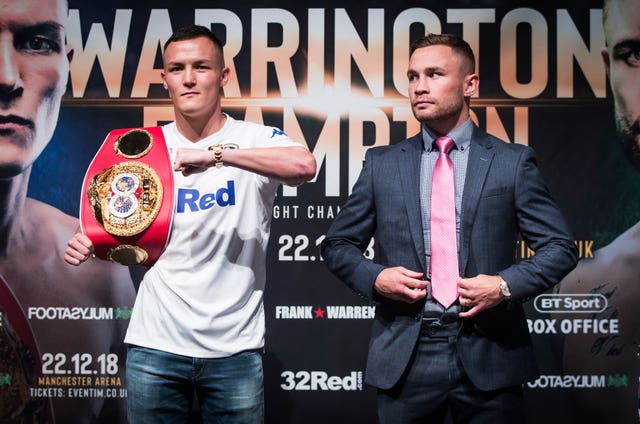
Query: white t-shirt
(203,297)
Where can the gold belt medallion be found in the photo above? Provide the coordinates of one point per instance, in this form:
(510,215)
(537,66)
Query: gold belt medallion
(125,198)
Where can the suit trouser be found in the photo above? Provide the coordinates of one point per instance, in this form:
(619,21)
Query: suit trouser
(435,383)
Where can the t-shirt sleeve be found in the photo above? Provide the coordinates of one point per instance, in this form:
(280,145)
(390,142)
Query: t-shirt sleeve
(275,137)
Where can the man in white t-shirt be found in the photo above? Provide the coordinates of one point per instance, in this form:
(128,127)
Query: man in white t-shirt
(198,321)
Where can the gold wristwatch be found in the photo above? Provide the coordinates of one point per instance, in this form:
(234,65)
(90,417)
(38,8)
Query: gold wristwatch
(217,155)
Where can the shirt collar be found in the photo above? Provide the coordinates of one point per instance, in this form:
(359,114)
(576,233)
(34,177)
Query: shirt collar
(461,136)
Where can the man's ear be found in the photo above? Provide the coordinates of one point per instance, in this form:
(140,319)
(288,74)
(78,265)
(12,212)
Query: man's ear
(69,51)
(164,82)
(225,76)
(605,58)
(471,84)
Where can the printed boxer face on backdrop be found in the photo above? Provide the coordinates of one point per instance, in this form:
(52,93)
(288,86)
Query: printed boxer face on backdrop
(622,59)
(34,68)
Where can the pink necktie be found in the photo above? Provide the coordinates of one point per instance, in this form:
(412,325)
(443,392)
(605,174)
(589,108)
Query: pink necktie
(444,250)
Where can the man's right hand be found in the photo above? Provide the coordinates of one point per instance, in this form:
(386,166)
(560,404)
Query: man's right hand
(401,284)
(79,248)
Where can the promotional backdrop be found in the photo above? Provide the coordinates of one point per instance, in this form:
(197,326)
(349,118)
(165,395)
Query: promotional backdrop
(332,75)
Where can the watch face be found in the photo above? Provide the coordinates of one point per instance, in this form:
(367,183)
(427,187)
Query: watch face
(504,288)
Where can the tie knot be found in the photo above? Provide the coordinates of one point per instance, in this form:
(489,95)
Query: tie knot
(445,144)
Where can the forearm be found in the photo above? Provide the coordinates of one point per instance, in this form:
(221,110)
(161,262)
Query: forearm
(291,165)
(542,271)
(347,262)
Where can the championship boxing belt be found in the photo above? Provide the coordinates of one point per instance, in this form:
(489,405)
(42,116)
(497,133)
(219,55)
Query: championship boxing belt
(20,365)
(126,206)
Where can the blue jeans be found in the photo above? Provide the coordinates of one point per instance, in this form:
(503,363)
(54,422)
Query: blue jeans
(161,386)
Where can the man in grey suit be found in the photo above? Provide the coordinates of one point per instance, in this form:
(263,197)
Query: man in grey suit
(473,356)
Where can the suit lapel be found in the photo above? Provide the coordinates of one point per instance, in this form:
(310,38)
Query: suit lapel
(480,157)
(409,170)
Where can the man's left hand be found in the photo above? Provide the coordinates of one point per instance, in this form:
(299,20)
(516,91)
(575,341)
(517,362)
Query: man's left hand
(479,293)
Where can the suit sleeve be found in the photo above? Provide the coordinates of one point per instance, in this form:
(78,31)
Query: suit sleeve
(350,234)
(544,229)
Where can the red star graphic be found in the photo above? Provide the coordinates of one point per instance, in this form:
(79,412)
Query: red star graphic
(319,312)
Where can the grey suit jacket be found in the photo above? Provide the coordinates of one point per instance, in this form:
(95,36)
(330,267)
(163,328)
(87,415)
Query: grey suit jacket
(504,197)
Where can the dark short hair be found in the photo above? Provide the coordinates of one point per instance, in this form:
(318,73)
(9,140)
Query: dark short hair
(190,32)
(451,40)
